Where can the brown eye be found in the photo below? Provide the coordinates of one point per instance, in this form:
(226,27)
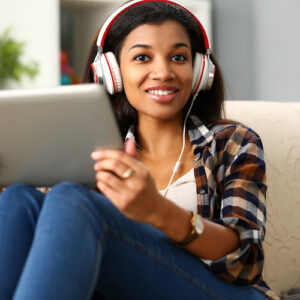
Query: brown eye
(141,57)
(179,57)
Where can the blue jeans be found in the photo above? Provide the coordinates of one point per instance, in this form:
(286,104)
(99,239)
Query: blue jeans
(73,241)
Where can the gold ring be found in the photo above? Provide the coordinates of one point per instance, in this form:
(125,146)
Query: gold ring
(127,173)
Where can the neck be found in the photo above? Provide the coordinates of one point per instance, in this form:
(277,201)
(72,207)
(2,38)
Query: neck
(159,138)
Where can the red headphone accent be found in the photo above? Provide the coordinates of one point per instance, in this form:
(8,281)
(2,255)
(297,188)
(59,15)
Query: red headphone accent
(111,73)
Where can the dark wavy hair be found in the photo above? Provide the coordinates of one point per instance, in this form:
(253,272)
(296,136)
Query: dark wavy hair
(209,104)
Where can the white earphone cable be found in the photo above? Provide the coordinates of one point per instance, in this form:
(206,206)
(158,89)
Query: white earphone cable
(177,164)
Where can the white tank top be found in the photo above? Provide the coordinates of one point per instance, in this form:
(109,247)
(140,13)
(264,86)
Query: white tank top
(183,191)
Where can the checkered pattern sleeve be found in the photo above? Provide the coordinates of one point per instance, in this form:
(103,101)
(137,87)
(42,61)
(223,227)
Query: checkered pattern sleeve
(241,182)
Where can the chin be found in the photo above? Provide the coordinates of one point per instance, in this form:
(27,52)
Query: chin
(163,115)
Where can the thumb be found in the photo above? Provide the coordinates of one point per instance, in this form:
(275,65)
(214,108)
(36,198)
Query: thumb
(130,147)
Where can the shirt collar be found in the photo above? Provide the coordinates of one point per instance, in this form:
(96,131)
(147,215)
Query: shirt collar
(199,134)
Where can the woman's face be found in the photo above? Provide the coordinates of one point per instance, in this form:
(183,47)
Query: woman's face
(156,68)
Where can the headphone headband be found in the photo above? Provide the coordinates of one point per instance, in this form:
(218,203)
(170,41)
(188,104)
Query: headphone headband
(105,28)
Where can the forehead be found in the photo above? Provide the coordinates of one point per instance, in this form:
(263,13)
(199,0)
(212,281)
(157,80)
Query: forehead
(168,32)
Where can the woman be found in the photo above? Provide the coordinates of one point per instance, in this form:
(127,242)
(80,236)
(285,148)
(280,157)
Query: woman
(151,233)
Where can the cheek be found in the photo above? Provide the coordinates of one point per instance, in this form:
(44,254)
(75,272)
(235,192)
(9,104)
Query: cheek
(130,87)
(132,80)
(185,73)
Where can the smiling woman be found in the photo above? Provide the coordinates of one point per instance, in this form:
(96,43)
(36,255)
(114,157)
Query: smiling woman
(151,231)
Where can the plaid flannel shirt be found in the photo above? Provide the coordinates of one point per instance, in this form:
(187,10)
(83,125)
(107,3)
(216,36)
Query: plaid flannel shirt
(231,186)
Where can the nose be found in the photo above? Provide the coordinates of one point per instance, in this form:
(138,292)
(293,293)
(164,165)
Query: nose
(162,70)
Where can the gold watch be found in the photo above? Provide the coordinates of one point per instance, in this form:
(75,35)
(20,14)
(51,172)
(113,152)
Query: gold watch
(197,230)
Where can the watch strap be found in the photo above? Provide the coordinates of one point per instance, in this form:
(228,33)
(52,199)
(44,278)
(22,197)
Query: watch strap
(193,234)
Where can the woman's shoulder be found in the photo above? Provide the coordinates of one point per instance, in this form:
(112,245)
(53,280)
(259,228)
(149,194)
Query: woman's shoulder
(228,129)
(233,140)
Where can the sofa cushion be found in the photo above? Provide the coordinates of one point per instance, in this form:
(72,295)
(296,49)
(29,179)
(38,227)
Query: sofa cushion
(278,124)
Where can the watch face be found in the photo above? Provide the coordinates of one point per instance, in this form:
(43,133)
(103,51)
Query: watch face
(198,225)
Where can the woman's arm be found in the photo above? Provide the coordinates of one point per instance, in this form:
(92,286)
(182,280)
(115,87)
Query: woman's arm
(138,199)
(215,241)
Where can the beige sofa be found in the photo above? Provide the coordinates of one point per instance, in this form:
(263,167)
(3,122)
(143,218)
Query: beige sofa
(278,124)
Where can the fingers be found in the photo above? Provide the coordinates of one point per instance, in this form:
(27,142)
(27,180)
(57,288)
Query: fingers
(119,157)
(109,180)
(132,195)
(111,165)
(109,192)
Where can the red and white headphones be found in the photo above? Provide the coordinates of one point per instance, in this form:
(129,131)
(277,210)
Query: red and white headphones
(106,69)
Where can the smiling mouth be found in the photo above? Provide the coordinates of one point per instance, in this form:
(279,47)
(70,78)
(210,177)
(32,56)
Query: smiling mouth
(162,95)
(160,92)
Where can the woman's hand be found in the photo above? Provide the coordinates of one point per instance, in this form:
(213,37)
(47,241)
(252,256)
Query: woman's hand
(136,196)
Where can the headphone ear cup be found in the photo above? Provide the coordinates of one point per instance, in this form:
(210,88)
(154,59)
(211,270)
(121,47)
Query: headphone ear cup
(112,79)
(204,72)
(198,65)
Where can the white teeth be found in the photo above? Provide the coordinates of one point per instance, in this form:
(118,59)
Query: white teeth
(160,92)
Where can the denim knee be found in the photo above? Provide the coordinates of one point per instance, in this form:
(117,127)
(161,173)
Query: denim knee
(78,196)
(76,201)
(69,190)
(68,186)
(17,194)
(70,193)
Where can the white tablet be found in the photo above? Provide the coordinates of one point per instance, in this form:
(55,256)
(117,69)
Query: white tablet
(47,135)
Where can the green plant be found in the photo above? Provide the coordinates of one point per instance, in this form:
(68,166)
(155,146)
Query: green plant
(11,66)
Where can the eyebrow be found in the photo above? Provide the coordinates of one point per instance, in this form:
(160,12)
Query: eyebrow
(177,45)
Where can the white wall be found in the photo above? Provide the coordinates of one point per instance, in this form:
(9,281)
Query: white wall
(86,20)
(203,11)
(257,43)
(233,45)
(277,48)
(37,23)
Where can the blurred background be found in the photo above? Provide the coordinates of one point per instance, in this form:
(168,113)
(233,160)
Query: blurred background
(257,43)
